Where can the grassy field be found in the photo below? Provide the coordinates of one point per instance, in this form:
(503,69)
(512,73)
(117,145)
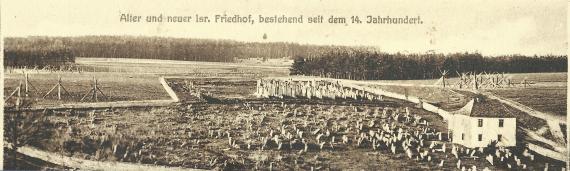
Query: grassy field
(117,86)
(546,99)
(269,68)
(548,94)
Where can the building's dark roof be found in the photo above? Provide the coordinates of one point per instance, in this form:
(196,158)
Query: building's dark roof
(486,108)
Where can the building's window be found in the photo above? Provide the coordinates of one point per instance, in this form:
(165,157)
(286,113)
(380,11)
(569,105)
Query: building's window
(480,137)
(499,138)
(480,122)
(462,136)
(501,122)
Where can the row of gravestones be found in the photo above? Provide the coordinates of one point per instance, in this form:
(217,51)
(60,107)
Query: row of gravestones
(310,89)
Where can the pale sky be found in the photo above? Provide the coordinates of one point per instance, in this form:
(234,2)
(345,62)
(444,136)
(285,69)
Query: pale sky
(487,26)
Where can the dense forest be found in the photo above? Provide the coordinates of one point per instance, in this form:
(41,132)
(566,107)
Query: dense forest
(345,62)
(22,53)
(367,65)
(156,48)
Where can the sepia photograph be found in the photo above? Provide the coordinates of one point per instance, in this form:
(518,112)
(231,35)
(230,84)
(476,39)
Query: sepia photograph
(284,85)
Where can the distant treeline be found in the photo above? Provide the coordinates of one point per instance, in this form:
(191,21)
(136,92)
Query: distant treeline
(367,65)
(156,48)
(23,53)
(327,61)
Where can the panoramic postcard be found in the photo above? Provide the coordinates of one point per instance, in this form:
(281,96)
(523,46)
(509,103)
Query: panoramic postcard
(284,85)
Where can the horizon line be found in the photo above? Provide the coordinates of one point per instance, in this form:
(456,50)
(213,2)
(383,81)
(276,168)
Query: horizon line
(367,47)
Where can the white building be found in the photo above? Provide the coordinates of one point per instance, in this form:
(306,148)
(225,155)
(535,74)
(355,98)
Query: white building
(480,122)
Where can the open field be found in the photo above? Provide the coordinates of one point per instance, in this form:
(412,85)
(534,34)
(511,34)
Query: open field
(117,86)
(549,94)
(285,62)
(545,99)
(181,67)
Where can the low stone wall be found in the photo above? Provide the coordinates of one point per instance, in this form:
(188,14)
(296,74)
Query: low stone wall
(426,106)
(168,89)
(310,89)
(329,88)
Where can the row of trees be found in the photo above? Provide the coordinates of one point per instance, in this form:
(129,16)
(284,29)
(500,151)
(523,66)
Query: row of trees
(327,61)
(163,48)
(369,65)
(21,52)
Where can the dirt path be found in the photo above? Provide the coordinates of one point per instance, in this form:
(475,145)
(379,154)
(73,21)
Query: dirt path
(83,164)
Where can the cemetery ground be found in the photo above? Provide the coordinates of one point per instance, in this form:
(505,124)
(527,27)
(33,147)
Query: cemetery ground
(264,134)
(232,129)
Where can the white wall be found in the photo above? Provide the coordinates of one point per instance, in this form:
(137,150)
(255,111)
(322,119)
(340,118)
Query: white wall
(459,125)
(491,129)
(462,124)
